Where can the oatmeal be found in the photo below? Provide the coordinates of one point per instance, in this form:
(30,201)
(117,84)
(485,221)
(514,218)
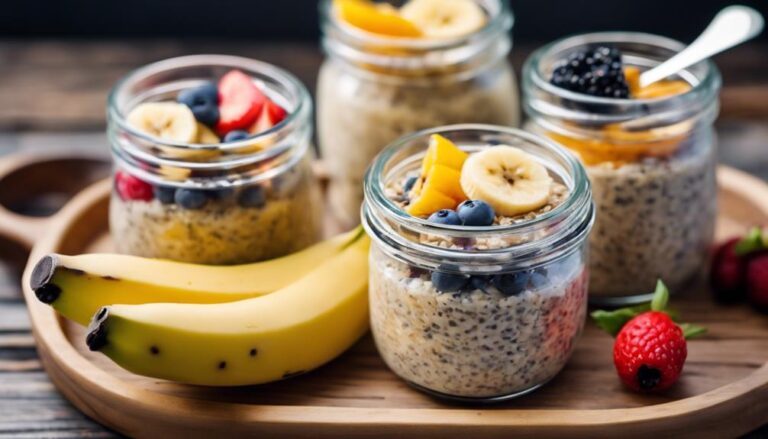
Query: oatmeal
(368,95)
(213,162)
(649,152)
(456,308)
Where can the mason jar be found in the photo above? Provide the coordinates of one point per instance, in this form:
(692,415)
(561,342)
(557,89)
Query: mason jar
(222,203)
(651,163)
(373,89)
(512,326)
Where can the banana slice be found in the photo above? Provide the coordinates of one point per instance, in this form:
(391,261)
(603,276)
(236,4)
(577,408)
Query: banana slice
(206,136)
(508,179)
(444,18)
(166,120)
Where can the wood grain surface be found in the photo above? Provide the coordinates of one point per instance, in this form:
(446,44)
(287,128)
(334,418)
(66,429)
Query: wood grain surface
(53,96)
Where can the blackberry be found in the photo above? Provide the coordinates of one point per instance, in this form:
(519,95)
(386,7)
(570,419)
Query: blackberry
(596,72)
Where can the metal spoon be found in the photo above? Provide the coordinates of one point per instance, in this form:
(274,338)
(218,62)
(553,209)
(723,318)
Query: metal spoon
(731,26)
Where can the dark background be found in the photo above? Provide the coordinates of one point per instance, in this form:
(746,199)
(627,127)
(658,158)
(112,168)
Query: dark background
(295,20)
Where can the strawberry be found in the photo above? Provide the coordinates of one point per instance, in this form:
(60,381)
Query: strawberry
(650,348)
(727,275)
(240,102)
(757,280)
(131,188)
(271,115)
(650,351)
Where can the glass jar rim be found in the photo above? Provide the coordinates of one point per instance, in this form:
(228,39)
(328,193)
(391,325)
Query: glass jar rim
(501,20)
(576,209)
(301,112)
(704,89)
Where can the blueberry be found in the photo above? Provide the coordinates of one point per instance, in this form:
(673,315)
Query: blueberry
(511,284)
(203,101)
(445,216)
(221,194)
(448,282)
(476,213)
(234,136)
(408,185)
(252,196)
(191,198)
(479,283)
(165,194)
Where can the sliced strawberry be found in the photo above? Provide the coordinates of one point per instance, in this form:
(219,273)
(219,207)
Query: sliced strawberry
(240,102)
(131,188)
(271,115)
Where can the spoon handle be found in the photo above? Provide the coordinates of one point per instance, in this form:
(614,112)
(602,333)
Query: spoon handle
(731,26)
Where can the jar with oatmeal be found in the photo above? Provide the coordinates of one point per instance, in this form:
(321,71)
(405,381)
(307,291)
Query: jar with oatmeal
(390,72)
(478,277)
(650,153)
(212,162)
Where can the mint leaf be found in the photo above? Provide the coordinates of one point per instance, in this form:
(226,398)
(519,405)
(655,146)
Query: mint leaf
(692,331)
(660,297)
(751,243)
(612,321)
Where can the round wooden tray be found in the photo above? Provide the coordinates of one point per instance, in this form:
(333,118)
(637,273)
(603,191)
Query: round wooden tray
(723,392)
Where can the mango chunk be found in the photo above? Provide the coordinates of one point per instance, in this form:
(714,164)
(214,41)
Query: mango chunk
(378,20)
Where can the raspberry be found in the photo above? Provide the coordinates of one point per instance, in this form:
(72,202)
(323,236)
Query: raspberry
(131,188)
(650,351)
(757,280)
(727,275)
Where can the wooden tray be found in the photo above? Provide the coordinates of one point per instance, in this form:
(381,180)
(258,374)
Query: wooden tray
(723,392)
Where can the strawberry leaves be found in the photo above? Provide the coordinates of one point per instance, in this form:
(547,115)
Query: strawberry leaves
(612,321)
(755,240)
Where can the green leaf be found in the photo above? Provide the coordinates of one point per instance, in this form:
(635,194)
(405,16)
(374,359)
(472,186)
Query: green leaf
(660,297)
(692,331)
(612,321)
(751,243)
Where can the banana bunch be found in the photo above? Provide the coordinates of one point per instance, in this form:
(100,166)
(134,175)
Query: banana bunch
(216,326)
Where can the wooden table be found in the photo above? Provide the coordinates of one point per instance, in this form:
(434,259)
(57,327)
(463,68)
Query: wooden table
(53,96)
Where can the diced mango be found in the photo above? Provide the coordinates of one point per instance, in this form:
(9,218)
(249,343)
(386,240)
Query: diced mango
(429,202)
(366,16)
(632,75)
(445,180)
(442,151)
(662,89)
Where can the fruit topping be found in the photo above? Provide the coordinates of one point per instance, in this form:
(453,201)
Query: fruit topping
(510,180)
(511,284)
(166,120)
(409,183)
(662,89)
(596,72)
(206,136)
(476,213)
(448,282)
(650,348)
(442,151)
(439,186)
(234,136)
(165,194)
(191,199)
(274,112)
(240,102)
(374,18)
(131,188)
(252,196)
(444,18)
(203,101)
(445,216)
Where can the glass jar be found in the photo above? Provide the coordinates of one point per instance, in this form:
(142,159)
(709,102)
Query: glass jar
(651,163)
(224,203)
(372,90)
(513,324)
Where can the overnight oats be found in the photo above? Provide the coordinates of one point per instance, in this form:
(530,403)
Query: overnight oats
(212,162)
(478,278)
(650,153)
(393,71)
